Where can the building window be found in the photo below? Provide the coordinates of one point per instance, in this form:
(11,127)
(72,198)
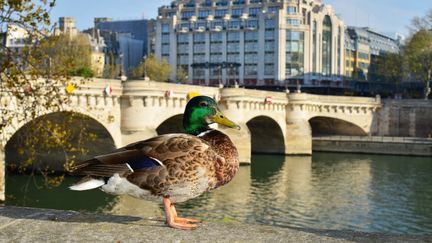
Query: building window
(233,47)
(183,59)
(165,28)
(222,3)
(251,58)
(233,36)
(219,24)
(269,58)
(269,46)
(327,46)
(165,38)
(273,10)
(363,55)
(216,48)
(293,35)
(269,24)
(165,49)
(251,47)
(199,48)
(291,10)
(183,38)
(183,48)
(293,22)
(198,72)
(185,25)
(216,58)
(269,34)
(254,11)
(251,70)
(187,14)
(238,2)
(252,24)
(199,58)
(207,3)
(200,24)
(294,53)
(314,47)
(251,36)
(216,37)
(233,58)
(268,69)
(219,13)
(203,14)
(199,37)
(237,12)
(234,24)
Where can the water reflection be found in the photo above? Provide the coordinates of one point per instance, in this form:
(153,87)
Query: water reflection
(331,191)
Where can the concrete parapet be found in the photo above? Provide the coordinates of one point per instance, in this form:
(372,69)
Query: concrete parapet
(43,225)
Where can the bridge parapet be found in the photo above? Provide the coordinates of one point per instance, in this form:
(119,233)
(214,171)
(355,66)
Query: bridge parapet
(247,99)
(88,99)
(331,105)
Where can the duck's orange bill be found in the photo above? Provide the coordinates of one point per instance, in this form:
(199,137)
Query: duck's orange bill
(223,120)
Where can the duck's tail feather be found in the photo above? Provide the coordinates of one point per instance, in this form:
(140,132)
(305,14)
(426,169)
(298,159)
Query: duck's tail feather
(87,183)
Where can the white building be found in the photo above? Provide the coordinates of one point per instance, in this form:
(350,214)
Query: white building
(255,42)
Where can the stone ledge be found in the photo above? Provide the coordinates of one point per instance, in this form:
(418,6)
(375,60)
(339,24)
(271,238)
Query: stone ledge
(45,225)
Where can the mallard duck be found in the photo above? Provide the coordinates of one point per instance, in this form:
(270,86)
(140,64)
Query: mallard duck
(171,167)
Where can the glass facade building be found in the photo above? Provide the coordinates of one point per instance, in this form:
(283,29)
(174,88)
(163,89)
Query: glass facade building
(252,42)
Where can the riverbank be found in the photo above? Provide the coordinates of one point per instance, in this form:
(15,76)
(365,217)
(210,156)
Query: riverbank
(45,225)
(374,145)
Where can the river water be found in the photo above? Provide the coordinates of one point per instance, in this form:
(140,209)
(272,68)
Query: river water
(371,193)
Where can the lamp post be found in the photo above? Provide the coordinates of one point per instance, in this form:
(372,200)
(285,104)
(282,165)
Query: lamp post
(122,75)
(145,67)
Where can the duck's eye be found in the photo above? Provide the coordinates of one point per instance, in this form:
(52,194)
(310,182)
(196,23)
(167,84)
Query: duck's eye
(203,104)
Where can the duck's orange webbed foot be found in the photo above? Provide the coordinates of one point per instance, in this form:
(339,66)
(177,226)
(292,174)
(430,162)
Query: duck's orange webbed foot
(177,222)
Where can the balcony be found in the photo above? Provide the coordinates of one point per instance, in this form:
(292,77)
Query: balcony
(183,30)
(238,2)
(235,27)
(200,29)
(217,28)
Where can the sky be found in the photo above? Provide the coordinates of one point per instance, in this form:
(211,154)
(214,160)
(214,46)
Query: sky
(388,16)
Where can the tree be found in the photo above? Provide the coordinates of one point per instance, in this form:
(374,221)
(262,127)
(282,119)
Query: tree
(182,75)
(33,78)
(418,54)
(387,68)
(111,69)
(422,23)
(66,55)
(156,70)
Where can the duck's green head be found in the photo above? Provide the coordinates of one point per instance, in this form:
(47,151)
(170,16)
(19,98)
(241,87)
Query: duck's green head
(202,111)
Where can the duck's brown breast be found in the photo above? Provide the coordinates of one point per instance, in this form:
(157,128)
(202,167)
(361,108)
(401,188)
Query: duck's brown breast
(228,164)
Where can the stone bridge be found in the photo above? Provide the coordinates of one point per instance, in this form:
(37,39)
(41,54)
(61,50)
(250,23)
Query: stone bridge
(272,122)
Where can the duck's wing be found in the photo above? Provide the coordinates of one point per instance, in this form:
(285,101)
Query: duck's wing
(151,153)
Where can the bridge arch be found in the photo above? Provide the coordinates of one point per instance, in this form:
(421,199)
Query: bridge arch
(325,126)
(56,137)
(266,135)
(173,124)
